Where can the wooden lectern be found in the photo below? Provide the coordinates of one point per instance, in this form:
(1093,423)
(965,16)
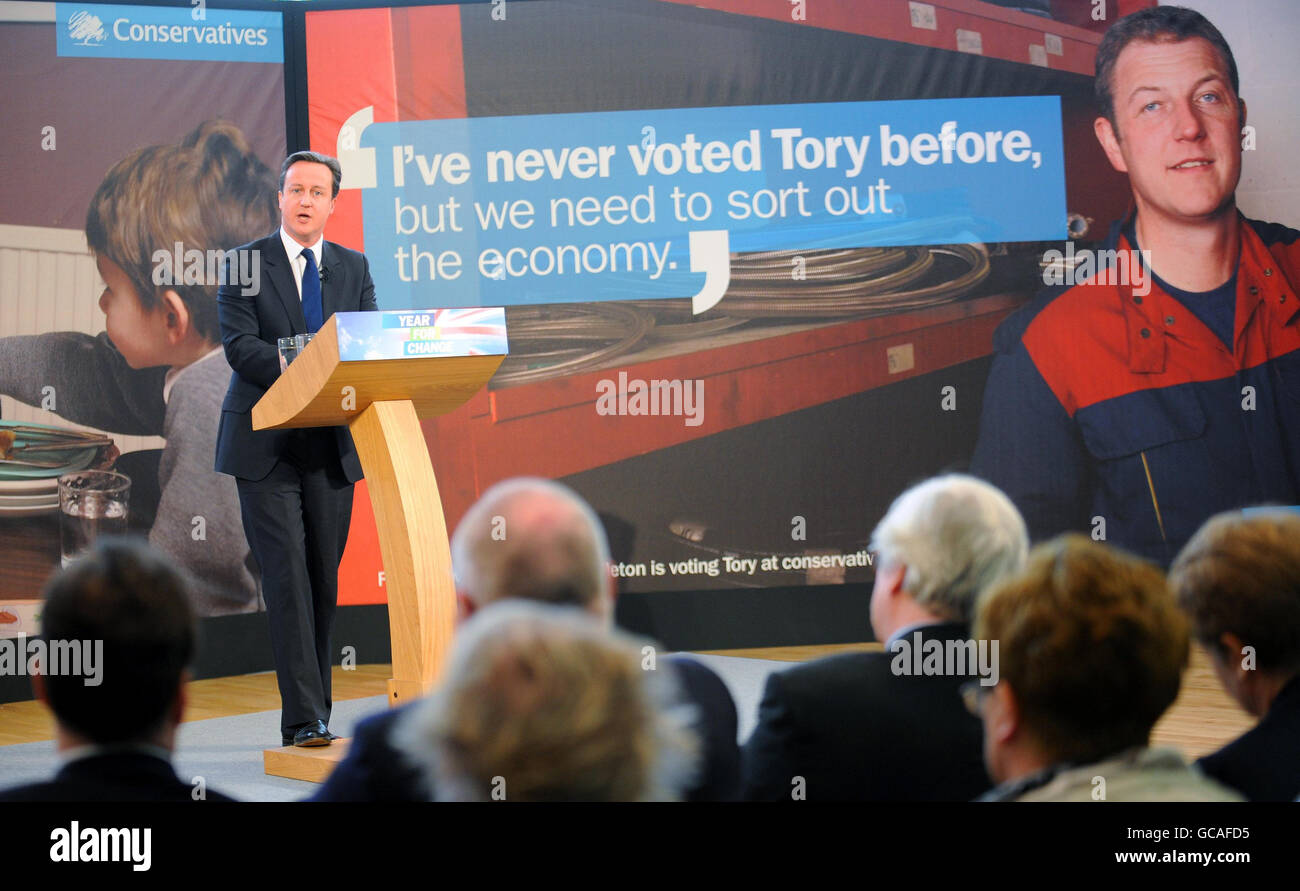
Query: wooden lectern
(379,373)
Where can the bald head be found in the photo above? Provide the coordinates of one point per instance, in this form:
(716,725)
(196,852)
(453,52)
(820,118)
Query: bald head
(532,539)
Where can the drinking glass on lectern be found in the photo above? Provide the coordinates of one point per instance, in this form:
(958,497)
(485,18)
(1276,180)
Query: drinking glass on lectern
(291,346)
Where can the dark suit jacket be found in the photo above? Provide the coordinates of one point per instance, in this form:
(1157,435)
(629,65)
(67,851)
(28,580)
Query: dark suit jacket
(250,326)
(1263,763)
(116,776)
(716,724)
(857,732)
(375,771)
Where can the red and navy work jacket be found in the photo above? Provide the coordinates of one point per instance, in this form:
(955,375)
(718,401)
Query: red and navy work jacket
(1105,404)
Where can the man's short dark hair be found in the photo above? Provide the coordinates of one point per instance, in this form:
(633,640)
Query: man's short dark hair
(336,171)
(129,597)
(1157,23)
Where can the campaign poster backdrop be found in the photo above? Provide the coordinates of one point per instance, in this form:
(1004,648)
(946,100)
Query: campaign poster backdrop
(751,253)
(738,250)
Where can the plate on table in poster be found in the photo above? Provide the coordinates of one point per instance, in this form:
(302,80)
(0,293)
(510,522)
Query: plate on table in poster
(29,488)
(8,511)
(29,502)
(70,460)
(28,491)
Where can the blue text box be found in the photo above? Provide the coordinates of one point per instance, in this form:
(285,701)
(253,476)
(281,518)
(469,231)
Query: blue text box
(163,32)
(601,206)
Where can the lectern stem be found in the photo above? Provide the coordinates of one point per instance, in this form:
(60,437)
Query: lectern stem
(412,541)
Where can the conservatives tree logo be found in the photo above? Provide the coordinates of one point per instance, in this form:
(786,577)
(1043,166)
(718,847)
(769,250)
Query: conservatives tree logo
(85,29)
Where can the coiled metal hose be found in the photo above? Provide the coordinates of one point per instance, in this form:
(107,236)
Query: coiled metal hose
(562,339)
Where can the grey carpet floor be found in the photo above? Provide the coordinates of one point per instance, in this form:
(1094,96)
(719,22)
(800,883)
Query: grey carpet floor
(227,752)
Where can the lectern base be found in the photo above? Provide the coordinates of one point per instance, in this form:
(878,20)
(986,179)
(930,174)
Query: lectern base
(311,764)
(402,692)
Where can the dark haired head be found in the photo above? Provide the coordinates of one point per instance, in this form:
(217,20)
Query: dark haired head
(336,172)
(1155,24)
(127,596)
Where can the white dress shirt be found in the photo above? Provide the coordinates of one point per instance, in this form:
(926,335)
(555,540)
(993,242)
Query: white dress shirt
(297,262)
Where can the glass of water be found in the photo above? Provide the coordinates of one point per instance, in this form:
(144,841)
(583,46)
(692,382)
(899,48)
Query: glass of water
(291,346)
(91,503)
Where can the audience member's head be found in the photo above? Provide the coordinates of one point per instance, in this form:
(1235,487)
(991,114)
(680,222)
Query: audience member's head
(1092,649)
(127,597)
(1238,579)
(940,544)
(543,703)
(532,539)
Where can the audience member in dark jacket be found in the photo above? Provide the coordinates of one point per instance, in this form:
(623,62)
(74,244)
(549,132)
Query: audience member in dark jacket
(1239,581)
(374,770)
(136,773)
(534,539)
(891,726)
(126,613)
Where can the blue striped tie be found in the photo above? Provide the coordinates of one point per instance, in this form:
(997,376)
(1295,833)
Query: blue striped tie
(312,309)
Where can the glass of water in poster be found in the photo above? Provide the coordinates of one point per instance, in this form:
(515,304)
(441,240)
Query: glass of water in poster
(91,503)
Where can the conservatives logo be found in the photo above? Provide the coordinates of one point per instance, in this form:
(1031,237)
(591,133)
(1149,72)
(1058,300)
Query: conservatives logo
(128,31)
(152,32)
(85,29)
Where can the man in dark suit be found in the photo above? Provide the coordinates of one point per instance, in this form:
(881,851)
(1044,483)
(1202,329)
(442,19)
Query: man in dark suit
(534,539)
(891,726)
(116,717)
(295,486)
(1238,580)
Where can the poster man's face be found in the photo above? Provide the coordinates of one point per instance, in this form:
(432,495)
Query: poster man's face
(1179,125)
(306,201)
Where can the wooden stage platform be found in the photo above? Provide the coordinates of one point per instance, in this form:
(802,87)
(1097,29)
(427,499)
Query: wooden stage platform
(1202,720)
